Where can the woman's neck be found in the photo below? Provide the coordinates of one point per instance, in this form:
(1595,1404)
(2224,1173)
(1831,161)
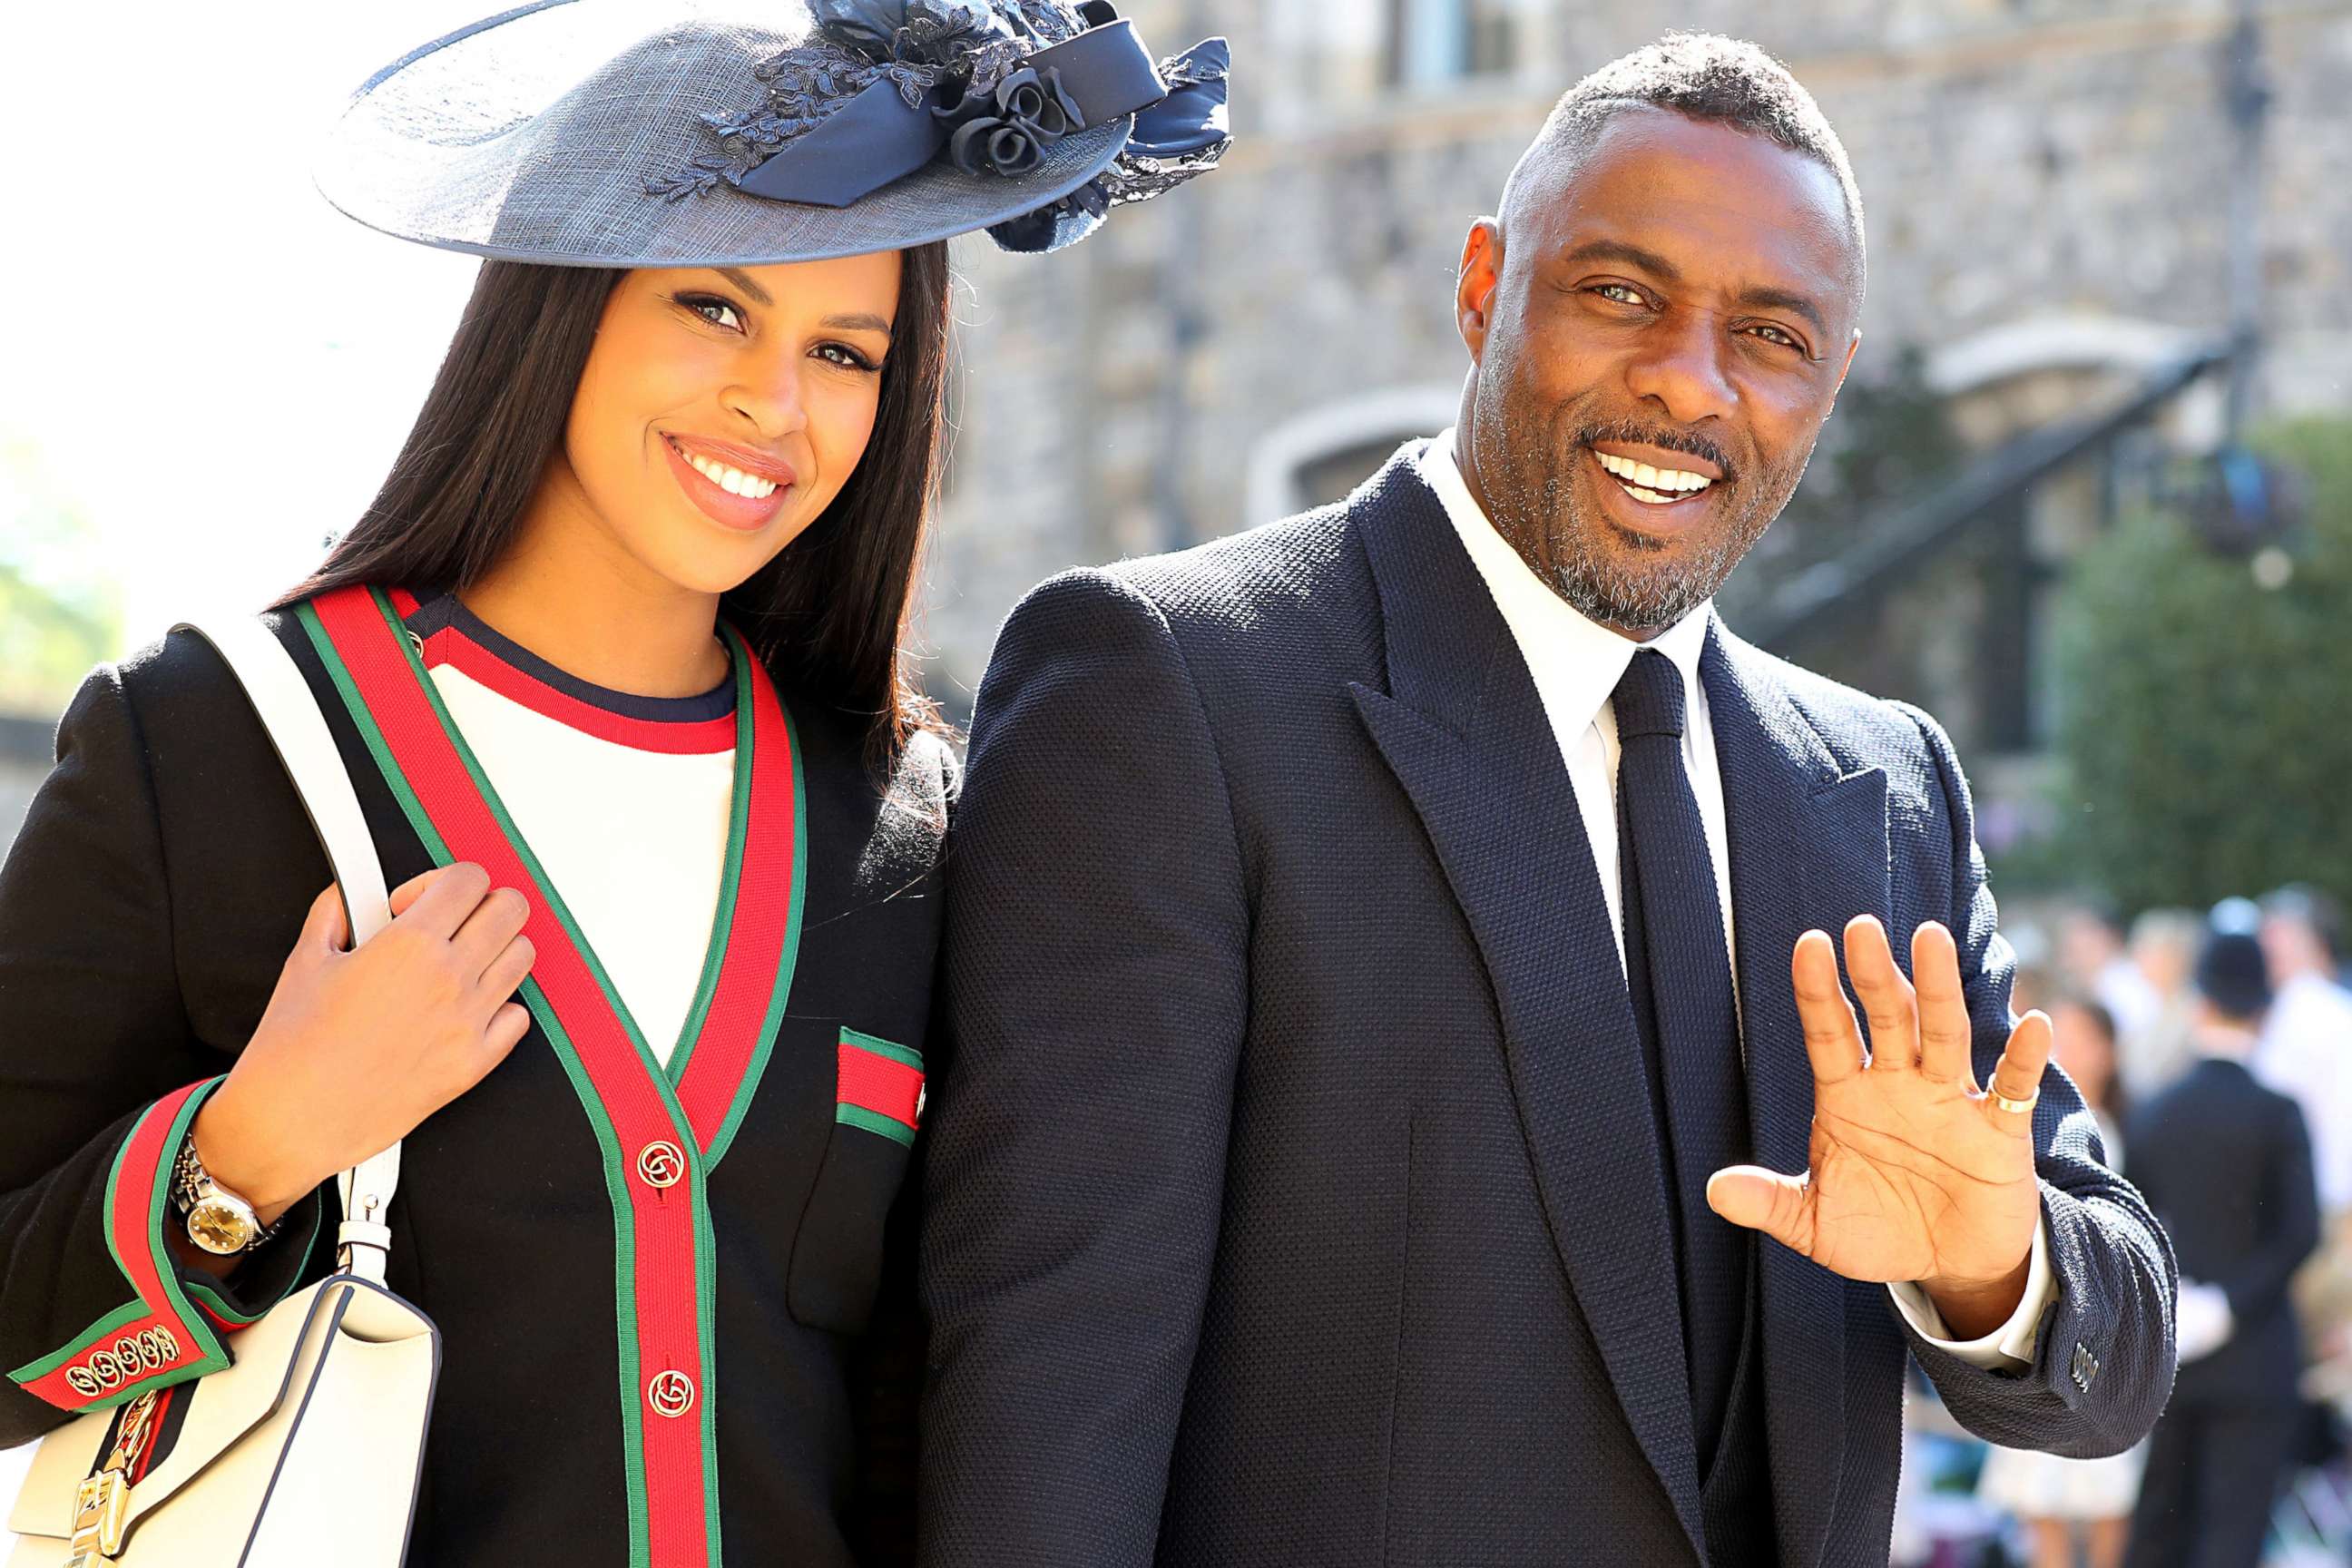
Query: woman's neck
(571,595)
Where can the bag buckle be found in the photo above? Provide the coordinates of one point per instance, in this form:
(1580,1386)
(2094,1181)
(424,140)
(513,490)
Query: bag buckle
(99,1507)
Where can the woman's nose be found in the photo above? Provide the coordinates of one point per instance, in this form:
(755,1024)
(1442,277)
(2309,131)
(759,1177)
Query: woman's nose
(771,398)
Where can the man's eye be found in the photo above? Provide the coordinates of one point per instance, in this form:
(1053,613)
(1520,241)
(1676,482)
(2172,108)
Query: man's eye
(1620,293)
(1778,338)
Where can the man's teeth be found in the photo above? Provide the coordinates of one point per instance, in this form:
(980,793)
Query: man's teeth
(1654,485)
(734,481)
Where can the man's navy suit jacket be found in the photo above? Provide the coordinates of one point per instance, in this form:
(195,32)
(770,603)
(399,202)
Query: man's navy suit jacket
(1293,1191)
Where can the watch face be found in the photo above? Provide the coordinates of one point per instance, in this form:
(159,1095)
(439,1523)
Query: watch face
(217,1225)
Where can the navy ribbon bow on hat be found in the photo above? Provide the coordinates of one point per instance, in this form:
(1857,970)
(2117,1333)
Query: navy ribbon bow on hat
(892,85)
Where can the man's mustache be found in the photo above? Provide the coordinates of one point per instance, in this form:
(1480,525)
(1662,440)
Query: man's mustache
(1663,436)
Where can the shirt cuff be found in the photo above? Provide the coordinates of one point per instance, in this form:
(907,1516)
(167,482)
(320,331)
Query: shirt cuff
(2011,1344)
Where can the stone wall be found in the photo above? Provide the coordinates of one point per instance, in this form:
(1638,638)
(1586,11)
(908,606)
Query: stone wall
(2057,171)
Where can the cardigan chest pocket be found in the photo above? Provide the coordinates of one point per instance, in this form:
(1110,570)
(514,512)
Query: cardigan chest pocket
(836,1266)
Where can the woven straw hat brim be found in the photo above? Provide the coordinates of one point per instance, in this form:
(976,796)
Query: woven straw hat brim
(533,136)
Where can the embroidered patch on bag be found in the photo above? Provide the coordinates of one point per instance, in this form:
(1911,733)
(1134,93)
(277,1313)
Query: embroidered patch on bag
(881,1086)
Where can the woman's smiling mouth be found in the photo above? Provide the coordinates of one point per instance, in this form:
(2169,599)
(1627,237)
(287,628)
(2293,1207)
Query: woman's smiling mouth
(733,486)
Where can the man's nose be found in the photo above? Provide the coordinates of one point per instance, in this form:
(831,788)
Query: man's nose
(1678,368)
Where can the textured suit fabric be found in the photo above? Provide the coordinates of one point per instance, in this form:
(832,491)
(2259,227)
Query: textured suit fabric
(2226,1163)
(1295,1194)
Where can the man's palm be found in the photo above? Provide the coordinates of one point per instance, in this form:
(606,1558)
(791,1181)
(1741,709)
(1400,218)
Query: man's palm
(1914,1173)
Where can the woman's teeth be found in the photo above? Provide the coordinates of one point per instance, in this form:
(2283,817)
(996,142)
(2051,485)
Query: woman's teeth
(734,481)
(1658,486)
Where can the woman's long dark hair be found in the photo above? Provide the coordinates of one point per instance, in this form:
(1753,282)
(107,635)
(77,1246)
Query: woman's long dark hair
(827,616)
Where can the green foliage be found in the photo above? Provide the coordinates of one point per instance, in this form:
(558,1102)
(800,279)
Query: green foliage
(60,612)
(2203,718)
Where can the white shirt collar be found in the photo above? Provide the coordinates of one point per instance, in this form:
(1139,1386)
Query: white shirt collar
(1576,662)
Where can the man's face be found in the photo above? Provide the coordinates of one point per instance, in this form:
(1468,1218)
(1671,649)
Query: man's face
(1659,335)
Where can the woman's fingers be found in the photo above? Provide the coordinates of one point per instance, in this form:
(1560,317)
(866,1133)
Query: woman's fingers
(486,932)
(507,1026)
(1946,1040)
(441,899)
(508,969)
(1832,1039)
(323,930)
(2018,1077)
(1886,998)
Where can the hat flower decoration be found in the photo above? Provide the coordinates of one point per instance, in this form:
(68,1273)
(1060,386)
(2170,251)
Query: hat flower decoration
(565,132)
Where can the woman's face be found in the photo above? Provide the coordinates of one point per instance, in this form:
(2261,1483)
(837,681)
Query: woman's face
(722,409)
(2081,1046)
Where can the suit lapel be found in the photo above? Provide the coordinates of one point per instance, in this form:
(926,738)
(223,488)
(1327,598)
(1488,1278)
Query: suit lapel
(1808,848)
(1466,735)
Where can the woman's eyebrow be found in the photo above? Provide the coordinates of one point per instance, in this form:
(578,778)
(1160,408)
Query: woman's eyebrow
(861,321)
(743,280)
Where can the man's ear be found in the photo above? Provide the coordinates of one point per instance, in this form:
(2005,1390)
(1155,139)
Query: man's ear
(1849,350)
(1474,285)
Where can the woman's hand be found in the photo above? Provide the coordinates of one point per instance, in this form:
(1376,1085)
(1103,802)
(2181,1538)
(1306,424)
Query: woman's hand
(357,1048)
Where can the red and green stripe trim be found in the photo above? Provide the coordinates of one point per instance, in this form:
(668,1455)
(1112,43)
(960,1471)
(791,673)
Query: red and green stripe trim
(665,1251)
(881,1086)
(451,645)
(158,1338)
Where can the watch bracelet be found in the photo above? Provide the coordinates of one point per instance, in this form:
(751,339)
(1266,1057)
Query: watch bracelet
(188,1173)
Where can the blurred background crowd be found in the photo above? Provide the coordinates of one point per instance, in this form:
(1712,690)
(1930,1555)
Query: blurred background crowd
(2087,495)
(2173,1025)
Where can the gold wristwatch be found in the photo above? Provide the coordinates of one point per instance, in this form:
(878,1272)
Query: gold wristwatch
(218,1219)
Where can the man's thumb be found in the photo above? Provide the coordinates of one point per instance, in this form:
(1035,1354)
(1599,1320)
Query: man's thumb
(1762,1200)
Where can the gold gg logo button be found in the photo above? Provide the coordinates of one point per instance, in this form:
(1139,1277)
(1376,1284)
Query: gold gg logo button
(661,1164)
(670,1394)
(130,1357)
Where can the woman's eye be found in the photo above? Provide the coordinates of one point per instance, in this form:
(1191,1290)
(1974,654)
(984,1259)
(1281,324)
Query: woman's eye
(718,313)
(844,356)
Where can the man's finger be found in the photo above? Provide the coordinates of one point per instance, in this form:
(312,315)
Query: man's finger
(2018,1077)
(1945,1037)
(1832,1041)
(1885,996)
(1780,1206)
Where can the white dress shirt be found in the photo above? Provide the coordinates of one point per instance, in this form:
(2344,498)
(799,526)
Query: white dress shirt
(1576,664)
(2306,1054)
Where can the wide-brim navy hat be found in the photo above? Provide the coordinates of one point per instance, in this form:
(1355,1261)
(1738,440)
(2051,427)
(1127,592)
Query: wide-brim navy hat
(613,133)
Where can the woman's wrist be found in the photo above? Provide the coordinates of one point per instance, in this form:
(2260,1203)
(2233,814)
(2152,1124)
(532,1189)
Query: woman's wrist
(241,1159)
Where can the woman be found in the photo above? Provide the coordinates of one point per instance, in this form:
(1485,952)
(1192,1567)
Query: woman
(613,661)
(2051,1497)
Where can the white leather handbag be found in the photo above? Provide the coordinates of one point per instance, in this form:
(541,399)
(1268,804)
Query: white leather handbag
(307,1449)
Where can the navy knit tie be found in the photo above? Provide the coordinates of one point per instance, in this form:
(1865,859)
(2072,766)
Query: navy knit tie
(1680,979)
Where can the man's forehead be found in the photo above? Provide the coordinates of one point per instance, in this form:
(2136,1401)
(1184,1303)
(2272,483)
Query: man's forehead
(1714,199)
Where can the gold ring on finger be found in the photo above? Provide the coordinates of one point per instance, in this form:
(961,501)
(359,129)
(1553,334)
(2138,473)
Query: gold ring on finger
(2018,1106)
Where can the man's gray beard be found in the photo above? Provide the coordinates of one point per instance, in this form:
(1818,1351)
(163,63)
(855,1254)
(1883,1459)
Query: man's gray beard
(1593,586)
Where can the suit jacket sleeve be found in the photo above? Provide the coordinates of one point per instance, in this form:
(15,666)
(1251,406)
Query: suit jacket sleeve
(1096,985)
(100,1075)
(2103,1362)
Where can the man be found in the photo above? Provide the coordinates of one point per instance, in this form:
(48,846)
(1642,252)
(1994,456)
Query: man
(1379,943)
(2226,1163)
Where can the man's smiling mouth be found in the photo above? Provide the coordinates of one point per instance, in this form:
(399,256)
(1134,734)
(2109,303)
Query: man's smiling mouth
(1652,486)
